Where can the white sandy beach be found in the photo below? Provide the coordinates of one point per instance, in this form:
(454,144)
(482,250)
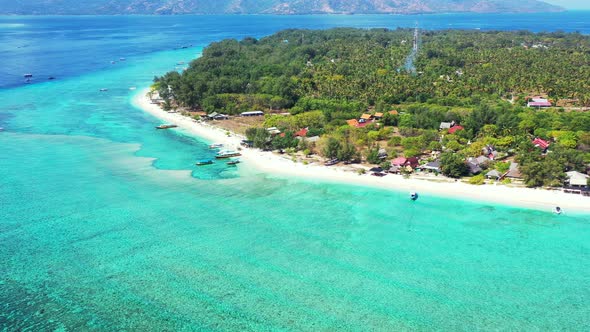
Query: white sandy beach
(277,165)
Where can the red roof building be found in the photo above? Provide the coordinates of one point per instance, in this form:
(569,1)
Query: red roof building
(301,133)
(399,161)
(541,143)
(455,129)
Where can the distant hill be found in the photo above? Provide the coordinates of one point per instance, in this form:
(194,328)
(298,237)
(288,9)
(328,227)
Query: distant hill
(280,7)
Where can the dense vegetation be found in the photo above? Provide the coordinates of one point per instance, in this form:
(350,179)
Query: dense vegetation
(476,79)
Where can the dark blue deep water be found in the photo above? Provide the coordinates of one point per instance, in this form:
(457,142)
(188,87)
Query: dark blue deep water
(68,46)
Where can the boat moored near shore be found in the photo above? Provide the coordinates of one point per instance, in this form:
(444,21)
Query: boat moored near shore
(204,162)
(227,154)
(166,126)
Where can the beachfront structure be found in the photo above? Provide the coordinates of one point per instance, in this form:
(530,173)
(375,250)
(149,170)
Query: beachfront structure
(513,172)
(433,166)
(378,116)
(394,112)
(412,162)
(577,179)
(474,168)
(493,174)
(254,113)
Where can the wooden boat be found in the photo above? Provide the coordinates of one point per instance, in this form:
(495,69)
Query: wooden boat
(204,162)
(166,126)
(234,162)
(227,154)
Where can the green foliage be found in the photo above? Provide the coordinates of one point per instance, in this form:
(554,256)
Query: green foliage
(259,136)
(477,180)
(453,165)
(347,152)
(467,77)
(373,156)
(331,149)
(502,167)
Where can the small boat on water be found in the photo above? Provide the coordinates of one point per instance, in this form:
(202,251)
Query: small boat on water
(166,126)
(557,210)
(234,162)
(204,162)
(51,78)
(216,146)
(113,62)
(104,90)
(132,88)
(413,196)
(227,154)
(28,75)
(122,59)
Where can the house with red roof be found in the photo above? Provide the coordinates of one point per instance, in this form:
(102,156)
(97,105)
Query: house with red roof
(301,133)
(541,143)
(455,129)
(399,161)
(413,162)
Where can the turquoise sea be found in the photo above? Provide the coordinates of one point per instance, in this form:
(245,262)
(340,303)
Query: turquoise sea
(105,224)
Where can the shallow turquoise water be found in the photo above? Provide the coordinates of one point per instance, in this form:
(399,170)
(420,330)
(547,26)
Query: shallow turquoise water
(105,224)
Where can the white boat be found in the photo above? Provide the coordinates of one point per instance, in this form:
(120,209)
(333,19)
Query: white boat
(216,146)
(104,90)
(557,210)
(413,196)
(132,88)
(227,154)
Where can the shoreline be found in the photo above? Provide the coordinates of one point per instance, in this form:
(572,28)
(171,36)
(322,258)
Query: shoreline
(271,164)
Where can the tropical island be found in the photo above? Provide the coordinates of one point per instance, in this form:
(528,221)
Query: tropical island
(487,107)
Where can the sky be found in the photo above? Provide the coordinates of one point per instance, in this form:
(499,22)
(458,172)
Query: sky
(571,4)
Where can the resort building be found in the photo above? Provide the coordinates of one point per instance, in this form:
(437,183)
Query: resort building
(577,180)
(433,166)
(493,175)
(513,172)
